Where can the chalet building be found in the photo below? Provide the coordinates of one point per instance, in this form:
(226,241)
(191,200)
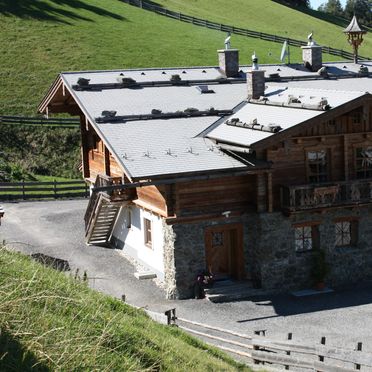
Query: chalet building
(239,170)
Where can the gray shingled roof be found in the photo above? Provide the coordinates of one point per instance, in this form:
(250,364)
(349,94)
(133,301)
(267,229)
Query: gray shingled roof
(149,148)
(285,117)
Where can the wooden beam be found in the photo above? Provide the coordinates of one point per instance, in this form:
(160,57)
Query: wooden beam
(269,192)
(261,192)
(169,199)
(106,161)
(346,158)
(84,147)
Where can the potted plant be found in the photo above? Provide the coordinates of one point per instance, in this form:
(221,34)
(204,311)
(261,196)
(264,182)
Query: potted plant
(319,269)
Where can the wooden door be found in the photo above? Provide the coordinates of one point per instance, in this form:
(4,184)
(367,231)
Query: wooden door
(224,251)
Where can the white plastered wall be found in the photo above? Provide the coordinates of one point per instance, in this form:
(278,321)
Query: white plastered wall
(132,239)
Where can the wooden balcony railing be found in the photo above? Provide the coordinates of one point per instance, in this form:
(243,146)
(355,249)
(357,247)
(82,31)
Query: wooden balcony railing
(113,195)
(303,197)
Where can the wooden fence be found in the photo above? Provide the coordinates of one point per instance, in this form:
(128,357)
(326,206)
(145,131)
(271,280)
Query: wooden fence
(39,121)
(234,30)
(43,190)
(259,349)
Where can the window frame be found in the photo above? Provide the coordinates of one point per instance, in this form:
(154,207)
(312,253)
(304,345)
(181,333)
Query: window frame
(362,171)
(313,235)
(353,231)
(147,230)
(320,177)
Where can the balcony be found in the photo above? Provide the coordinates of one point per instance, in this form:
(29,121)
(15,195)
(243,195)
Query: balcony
(115,195)
(326,195)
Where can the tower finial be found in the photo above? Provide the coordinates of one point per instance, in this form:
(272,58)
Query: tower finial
(227,41)
(254,61)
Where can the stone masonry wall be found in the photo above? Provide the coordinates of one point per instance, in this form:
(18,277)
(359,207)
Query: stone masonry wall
(282,268)
(271,260)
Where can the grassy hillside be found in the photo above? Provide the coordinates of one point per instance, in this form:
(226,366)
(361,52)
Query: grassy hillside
(271,17)
(51,322)
(41,38)
(27,151)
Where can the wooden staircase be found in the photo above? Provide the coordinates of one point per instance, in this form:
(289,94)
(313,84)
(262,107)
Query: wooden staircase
(103,210)
(103,221)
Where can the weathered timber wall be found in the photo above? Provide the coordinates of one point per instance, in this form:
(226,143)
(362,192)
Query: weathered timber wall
(217,195)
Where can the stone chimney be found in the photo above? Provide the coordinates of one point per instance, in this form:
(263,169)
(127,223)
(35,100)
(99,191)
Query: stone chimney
(228,59)
(312,54)
(229,62)
(255,80)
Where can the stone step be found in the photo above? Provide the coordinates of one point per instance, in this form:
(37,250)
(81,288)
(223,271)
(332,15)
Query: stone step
(229,290)
(228,286)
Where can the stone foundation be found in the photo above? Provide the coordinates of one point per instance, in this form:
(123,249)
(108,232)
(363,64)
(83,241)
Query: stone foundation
(271,261)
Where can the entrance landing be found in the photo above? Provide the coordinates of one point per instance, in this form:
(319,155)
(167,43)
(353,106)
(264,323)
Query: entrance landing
(230,290)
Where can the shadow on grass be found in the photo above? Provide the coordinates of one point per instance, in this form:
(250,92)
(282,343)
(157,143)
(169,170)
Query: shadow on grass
(14,357)
(52,10)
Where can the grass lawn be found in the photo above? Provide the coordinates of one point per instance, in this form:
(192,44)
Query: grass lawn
(42,38)
(52,322)
(271,17)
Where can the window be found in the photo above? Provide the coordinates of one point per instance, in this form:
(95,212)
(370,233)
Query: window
(317,164)
(306,238)
(363,159)
(148,233)
(356,116)
(217,239)
(346,233)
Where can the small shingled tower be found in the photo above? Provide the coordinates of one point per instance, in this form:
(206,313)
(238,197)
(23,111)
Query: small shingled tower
(354,36)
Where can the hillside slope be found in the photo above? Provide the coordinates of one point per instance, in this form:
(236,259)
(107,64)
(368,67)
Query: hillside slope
(51,322)
(42,38)
(271,17)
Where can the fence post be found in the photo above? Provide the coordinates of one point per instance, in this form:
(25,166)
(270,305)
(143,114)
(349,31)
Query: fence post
(23,190)
(55,189)
(321,357)
(359,348)
(86,190)
(288,352)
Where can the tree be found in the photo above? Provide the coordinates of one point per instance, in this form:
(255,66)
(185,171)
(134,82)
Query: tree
(362,9)
(332,7)
(296,3)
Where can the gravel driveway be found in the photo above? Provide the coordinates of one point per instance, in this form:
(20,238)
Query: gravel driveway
(56,228)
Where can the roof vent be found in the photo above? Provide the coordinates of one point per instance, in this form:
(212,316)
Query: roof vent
(108,114)
(274,76)
(82,82)
(142,73)
(184,72)
(175,78)
(292,99)
(324,105)
(323,72)
(363,70)
(156,112)
(163,73)
(204,89)
(191,110)
(204,72)
(127,82)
